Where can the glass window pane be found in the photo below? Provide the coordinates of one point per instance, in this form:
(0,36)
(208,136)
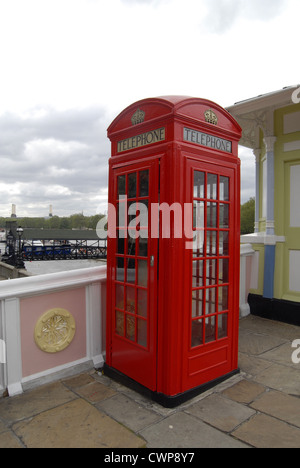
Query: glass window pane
(211,272)
(211,243)
(132,185)
(223,299)
(224,216)
(197,303)
(121,242)
(121,186)
(131,243)
(223,270)
(212,181)
(198,244)
(222,326)
(120,269)
(142,332)
(143,273)
(121,214)
(197,274)
(143,247)
(198,215)
(130,300)
(143,213)
(223,243)
(224,188)
(197,333)
(119,296)
(144,183)
(199,184)
(142,302)
(119,323)
(132,208)
(211,220)
(210,329)
(130,327)
(131,270)
(210,302)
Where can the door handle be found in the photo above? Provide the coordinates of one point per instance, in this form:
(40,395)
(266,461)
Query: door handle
(152,261)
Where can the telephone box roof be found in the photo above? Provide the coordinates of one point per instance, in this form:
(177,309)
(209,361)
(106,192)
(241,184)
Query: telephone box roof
(164,107)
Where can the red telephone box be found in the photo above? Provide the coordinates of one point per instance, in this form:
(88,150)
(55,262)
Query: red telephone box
(173,257)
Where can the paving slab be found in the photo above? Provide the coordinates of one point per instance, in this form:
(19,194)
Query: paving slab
(9,440)
(256,343)
(76,424)
(3,427)
(129,412)
(78,381)
(35,401)
(270,327)
(181,430)
(252,365)
(279,405)
(220,412)
(244,391)
(281,355)
(95,392)
(282,378)
(263,431)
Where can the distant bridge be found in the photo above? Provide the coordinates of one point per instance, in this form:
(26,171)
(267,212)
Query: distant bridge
(62,244)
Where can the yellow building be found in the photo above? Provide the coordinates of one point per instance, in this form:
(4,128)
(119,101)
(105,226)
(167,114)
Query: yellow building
(271,128)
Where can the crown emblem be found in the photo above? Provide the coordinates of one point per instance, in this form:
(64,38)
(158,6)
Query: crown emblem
(211,117)
(138,117)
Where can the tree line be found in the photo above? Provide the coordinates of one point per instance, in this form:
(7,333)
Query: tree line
(79,221)
(75,221)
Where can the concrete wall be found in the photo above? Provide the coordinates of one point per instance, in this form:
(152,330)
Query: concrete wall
(10,272)
(23,305)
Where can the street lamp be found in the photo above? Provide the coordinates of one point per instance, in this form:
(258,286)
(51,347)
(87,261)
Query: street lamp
(10,249)
(20,262)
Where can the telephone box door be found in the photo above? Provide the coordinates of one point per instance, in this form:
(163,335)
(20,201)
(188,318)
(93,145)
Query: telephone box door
(134,285)
(214,262)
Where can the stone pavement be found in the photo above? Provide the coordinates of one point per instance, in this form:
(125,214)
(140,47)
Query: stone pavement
(260,407)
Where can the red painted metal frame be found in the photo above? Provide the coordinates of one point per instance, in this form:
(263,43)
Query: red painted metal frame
(175,368)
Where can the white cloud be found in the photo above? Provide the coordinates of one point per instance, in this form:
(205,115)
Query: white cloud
(52,157)
(68,67)
(222,14)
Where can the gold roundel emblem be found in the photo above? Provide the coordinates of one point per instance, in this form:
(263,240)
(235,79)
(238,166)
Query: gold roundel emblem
(55,330)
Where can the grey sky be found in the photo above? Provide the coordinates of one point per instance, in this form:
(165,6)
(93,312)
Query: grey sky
(68,67)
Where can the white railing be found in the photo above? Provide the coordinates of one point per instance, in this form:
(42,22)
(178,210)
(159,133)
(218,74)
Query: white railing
(23,301)
(81,292)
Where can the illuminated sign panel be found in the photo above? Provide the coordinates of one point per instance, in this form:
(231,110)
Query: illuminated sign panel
(210,141)
(144,139)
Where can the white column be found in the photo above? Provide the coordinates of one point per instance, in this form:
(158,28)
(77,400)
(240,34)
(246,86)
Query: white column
(270,224)
(257,153)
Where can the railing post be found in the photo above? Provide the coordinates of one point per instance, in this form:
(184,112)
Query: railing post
(246,251)
(93,324)
(12,337)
